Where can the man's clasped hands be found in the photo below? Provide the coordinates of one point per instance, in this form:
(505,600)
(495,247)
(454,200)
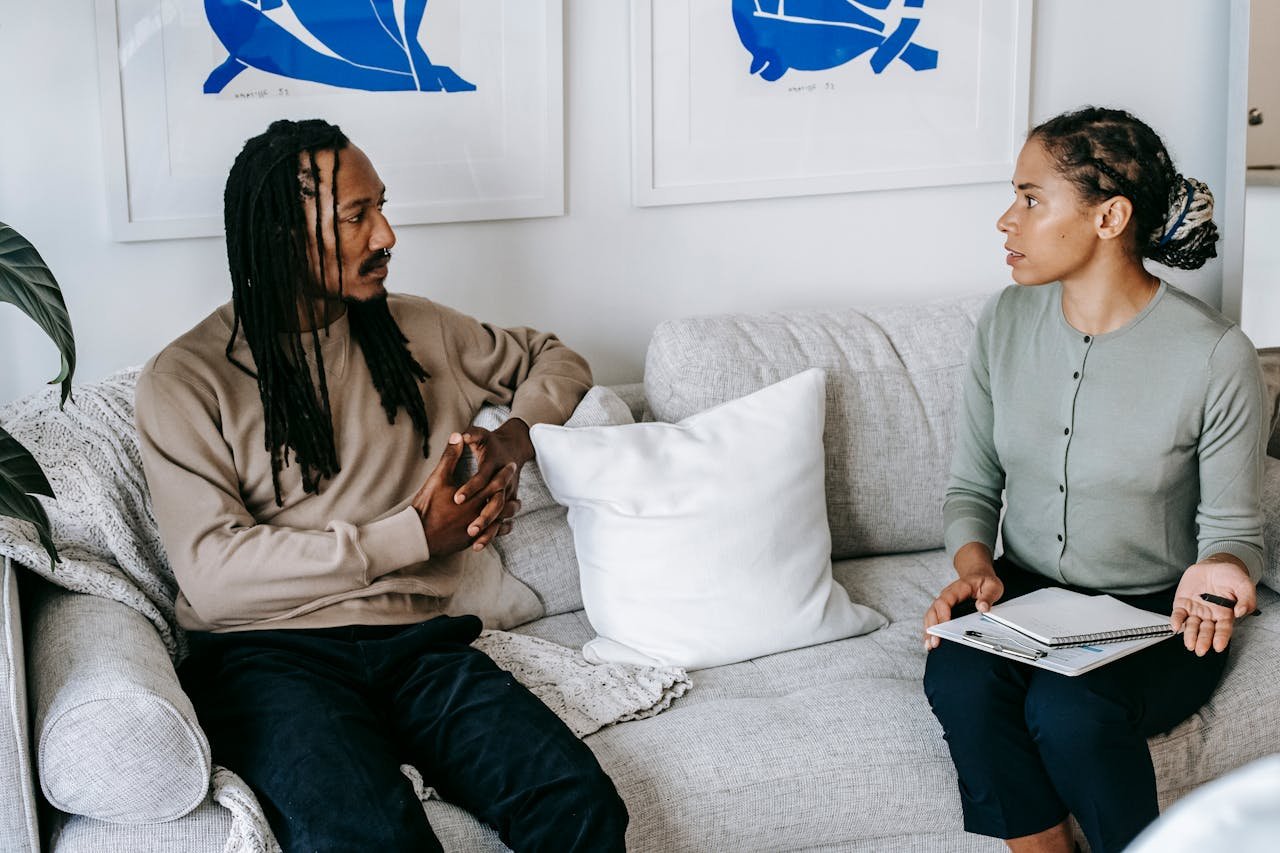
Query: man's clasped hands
(472,514)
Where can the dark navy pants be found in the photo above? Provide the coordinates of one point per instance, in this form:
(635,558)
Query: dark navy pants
(319,721)
(1031,746)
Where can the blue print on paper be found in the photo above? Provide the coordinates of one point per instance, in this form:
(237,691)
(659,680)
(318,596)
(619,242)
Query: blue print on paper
(815,35)
(364,46)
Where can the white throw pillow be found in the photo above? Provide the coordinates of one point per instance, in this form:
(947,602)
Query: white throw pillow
(704,542)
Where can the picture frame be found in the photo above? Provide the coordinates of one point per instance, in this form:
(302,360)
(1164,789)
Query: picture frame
(178,104)
(751,99)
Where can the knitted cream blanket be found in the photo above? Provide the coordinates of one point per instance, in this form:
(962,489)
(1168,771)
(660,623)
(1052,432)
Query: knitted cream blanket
(110,546)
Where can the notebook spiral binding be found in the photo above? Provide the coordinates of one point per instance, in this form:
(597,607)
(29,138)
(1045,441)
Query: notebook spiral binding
(1111,636)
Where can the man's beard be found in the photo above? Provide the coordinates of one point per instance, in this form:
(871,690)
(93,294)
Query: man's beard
(371,316)
(396,374)
(318,289)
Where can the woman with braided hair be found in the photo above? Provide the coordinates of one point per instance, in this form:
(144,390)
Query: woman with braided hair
(1122,422)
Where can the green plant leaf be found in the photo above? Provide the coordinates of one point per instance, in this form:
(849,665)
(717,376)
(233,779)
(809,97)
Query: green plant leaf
(21,477)
(25,281)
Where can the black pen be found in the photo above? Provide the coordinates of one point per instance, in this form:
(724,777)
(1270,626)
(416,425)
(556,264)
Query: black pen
(996,646)
(1224,602)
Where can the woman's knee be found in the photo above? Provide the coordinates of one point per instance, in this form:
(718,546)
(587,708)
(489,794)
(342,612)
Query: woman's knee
(959,680)
(1072,715)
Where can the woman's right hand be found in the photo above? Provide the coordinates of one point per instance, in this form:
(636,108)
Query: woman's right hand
(978,581)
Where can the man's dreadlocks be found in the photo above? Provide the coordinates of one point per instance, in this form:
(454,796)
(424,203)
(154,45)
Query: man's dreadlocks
(274,175)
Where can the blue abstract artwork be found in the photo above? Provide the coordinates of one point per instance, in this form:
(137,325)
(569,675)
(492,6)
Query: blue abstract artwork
(351,44)
(816,35)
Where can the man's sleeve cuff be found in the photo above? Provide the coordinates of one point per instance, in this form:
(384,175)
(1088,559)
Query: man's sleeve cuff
(394,542)
(539,412)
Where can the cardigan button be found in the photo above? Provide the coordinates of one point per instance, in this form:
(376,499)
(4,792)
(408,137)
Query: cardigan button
(1059,537)
(1062,488)
(1075,375)
(1087,339)
(1067,431)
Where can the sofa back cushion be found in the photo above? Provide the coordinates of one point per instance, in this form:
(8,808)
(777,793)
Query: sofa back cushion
(893,391)
(1269,359)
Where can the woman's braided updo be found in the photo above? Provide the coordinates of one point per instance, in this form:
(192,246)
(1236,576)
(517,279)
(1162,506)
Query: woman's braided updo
(1105,153)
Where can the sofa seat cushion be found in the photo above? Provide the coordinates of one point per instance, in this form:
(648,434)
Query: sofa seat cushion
(203,830)
(207,829)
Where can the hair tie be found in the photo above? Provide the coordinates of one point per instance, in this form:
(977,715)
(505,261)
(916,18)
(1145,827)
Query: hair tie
(1186,207)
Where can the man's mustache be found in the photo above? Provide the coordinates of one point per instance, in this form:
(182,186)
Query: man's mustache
(378,259)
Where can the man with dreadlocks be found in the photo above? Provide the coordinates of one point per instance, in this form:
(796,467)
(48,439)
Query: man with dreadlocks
(332,574)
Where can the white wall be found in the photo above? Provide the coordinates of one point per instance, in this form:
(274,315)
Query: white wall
(606,273)
(1260,315)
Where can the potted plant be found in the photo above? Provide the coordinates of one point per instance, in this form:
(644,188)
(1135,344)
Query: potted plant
(25,281)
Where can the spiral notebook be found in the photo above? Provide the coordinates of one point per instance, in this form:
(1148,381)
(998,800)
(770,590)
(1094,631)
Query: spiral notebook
(1060,618)
(979,631)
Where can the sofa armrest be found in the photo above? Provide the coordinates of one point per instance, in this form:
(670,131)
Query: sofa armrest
(19,831)
(116,737)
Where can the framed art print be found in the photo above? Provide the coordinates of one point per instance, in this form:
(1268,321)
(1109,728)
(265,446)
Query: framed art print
(760,98)
(459,103)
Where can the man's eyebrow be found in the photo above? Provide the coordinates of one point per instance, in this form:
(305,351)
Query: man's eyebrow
(363,201)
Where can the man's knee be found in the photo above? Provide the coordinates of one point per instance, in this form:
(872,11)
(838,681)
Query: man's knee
(578,810)
(386,821)
(592,803)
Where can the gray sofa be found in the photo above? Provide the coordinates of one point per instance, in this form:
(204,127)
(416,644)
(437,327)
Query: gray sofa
(830,747)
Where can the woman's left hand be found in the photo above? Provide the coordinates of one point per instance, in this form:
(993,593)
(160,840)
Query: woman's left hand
(1206,625)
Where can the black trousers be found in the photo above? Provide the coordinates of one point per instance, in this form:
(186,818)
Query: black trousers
(1031,746)
(319,721)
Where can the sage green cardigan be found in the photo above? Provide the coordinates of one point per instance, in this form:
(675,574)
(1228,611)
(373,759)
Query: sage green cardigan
(1124,457)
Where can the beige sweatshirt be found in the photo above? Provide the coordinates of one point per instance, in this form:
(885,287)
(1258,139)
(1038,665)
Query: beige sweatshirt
(355,553)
